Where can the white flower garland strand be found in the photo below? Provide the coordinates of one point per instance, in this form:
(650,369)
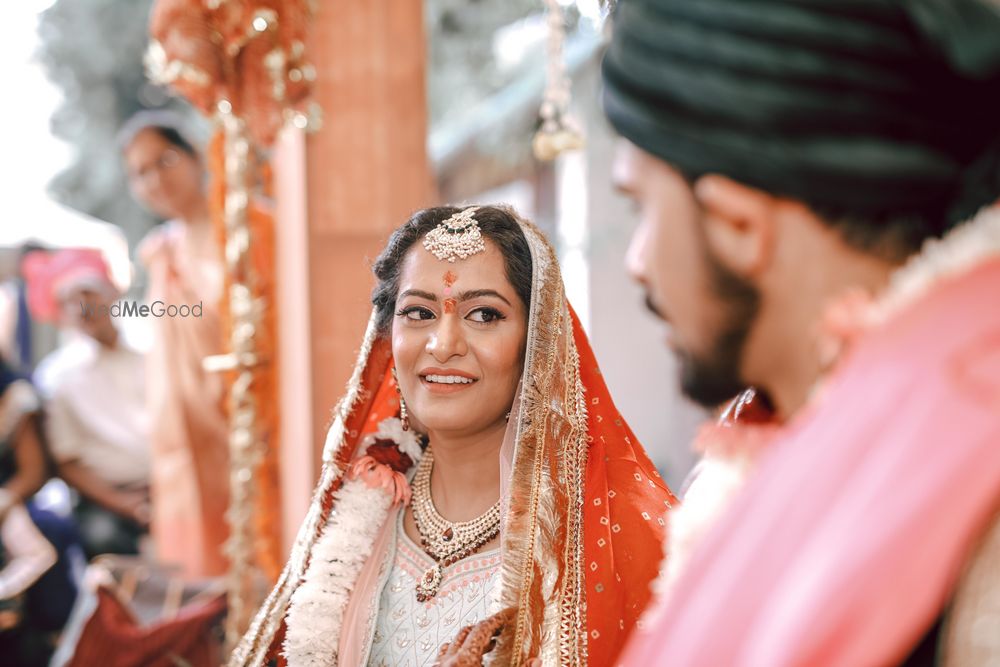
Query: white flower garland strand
(316,610)
(315,614)
(958,251)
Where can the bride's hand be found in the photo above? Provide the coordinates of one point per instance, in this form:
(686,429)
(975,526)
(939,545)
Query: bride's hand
(473,642)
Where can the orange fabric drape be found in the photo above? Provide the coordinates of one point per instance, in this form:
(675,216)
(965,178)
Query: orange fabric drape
(624,517)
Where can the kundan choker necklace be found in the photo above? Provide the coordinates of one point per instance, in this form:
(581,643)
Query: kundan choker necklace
(444,541)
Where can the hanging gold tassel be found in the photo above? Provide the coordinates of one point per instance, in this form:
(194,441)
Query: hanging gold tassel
(558,132)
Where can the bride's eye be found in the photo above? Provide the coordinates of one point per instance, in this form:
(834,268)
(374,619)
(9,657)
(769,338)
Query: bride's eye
(485,315)
(416,313)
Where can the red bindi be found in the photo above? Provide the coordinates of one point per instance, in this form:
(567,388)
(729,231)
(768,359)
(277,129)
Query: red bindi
(450,305)
(449,280)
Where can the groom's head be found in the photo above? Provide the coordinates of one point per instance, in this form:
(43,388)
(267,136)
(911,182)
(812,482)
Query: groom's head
(779,150)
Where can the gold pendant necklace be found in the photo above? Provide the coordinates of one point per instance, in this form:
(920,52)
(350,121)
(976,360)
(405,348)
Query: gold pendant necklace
(445,541)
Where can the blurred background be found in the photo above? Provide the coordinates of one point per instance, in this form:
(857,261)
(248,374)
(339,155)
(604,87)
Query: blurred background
(412,104)
(77,74)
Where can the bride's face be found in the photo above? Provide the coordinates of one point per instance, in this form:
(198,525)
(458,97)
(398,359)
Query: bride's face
(458,338)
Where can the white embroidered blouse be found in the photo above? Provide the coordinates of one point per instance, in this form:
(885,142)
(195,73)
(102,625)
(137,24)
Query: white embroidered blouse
(410,633)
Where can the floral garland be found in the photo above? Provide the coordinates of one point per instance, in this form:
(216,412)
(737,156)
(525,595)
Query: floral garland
(969,244)
(731,446)
(375,483)
(958,251)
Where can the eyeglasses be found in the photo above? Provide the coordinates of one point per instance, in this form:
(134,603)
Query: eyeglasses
(168,159)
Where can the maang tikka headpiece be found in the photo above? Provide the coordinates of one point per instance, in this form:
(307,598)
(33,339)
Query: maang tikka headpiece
(457,237)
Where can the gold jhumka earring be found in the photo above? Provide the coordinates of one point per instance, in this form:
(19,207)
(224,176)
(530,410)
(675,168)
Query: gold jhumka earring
(404,416)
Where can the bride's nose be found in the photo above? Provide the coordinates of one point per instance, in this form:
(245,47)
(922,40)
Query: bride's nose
(447,340)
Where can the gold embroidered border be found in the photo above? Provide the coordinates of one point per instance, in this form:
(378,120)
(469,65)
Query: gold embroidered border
(542,571)
(573,637)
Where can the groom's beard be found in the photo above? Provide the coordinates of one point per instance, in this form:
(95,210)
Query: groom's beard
(712,378)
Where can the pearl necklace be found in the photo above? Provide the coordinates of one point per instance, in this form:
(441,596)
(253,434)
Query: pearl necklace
(444,541)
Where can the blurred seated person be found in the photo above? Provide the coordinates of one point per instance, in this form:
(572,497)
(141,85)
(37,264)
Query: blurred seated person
(25,555)
(94,388)
(36,546)
(23,467)
(15,321)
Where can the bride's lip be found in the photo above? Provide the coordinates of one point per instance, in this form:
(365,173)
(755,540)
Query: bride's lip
(443,387)
(434,370)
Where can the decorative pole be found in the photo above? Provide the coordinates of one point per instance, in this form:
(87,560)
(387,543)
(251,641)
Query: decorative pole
(242,63)
(246,447)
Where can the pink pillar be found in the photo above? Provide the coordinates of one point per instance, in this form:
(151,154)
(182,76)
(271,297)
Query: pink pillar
(339,193)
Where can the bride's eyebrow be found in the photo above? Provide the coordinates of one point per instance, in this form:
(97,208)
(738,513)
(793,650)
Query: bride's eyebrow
(464,296)
(419,293)
(477,293)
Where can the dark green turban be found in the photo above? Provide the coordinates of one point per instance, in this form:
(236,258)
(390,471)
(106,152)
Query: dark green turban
(861,107)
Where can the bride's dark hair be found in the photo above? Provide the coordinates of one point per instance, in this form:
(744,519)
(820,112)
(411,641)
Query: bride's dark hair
(496,224)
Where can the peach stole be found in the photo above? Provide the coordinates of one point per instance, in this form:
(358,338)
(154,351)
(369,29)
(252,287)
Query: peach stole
(190,475)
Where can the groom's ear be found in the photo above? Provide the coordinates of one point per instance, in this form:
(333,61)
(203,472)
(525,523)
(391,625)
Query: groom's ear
(739,223)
